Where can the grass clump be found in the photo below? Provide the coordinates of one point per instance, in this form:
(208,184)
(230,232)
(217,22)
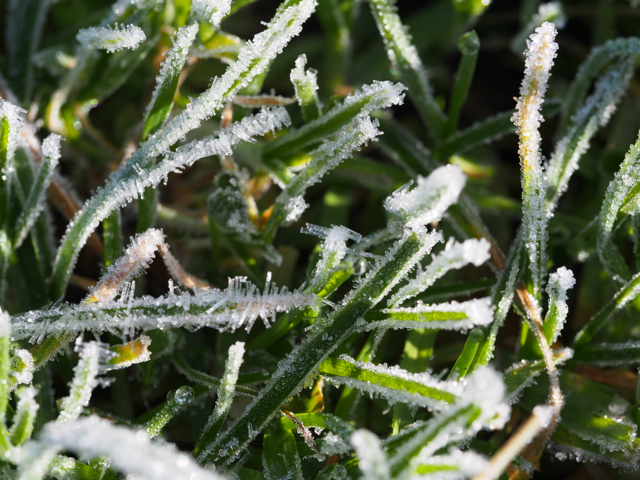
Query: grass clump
(358,279)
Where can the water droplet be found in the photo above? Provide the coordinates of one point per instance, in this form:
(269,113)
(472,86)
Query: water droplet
(77,125)
(181,396)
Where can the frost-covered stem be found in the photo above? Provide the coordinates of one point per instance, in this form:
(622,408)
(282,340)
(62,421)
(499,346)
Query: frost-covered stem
(539,420)
(5,369)
(305,85)
(177,272)
(405,59)
(539,59)
(326,337)
(85,379)
(212,11)
(252,60)
(226,393)
(35,202)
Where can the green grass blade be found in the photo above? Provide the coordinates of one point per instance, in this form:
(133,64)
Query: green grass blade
(406,62)
(609,354)
(305,84)
(176,401)
(469,45)
(112,238)
(25,416)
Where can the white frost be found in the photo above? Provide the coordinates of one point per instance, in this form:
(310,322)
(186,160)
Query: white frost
(211,10)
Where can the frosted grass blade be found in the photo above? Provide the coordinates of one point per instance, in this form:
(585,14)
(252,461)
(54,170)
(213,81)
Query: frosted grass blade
(25,416)
(448,316)
(611,53)
(559,283)
(454,257)
(406,61)
(167,80)
(595,113)
(85,379)
(290,203)
(305,84)
(35,202)
(623,183)
(252,61)
(394,384)
(212,11)
(539,60)
(111,39)
(376,96)
(226,392)
(129,452)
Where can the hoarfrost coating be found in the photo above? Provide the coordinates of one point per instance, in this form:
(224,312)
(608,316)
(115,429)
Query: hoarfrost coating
(111,39)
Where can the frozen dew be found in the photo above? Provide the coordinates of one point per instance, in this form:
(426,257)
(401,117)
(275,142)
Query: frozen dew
(111,39)
(23,373)
(211,10)
(294,208)
(428,200)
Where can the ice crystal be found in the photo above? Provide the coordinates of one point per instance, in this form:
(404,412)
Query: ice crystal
(111,39)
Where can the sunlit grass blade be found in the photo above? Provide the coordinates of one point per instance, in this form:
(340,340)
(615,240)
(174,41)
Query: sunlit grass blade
(407,64)
(35,201)
(226,392)
(252,61)
(463,464)
(449,316)
(24,25)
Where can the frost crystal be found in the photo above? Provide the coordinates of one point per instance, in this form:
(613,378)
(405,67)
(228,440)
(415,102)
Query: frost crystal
(135,259)
(111,39)
(539,59)
(211,10)
(455,256)
(428,200)
(294,209)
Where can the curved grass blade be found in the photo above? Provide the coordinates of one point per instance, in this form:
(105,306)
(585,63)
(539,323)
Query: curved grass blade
(468,45)
(176,401)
